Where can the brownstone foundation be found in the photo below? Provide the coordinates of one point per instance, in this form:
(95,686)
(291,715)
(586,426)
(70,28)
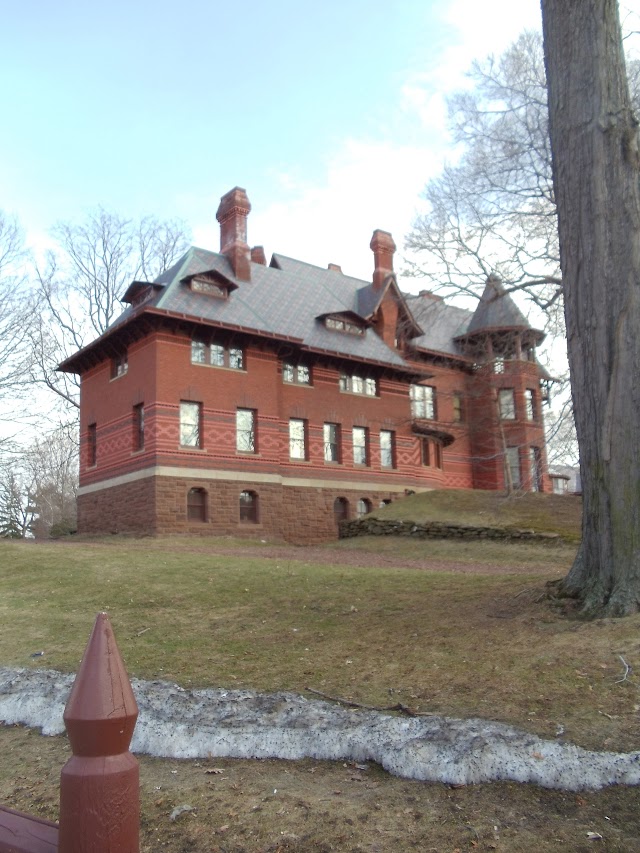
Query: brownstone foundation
(158,505)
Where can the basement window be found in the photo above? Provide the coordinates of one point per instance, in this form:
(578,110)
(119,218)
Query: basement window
(248,507)
(196,505)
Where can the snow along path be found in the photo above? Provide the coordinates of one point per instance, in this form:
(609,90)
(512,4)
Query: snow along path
(179,723)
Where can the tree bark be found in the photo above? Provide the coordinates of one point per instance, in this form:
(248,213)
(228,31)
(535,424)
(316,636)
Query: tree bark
(594,144)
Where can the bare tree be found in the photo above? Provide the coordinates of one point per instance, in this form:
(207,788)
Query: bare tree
(82,281)
(16,310)
(596,164)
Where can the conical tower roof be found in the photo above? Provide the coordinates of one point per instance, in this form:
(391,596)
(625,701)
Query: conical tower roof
(497,311)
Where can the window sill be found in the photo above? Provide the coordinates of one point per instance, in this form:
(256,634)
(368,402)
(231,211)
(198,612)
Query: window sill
(188,447)
(219,367)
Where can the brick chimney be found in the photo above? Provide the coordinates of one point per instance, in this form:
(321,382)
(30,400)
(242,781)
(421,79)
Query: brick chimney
(258,256)
(232,216)
(383,248)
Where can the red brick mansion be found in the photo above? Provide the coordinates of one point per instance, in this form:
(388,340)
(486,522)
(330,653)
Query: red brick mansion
(232,396)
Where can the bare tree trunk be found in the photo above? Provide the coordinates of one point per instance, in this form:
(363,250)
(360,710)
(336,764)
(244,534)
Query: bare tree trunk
(596,179)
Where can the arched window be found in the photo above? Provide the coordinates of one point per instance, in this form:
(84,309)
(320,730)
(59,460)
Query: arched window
(340,509)
(196,505)
(249,507)
(363,507)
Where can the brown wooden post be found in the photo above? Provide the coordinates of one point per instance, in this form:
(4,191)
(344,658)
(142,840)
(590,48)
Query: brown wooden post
(99,793)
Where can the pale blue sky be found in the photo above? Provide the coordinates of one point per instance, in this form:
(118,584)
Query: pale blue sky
(330,114)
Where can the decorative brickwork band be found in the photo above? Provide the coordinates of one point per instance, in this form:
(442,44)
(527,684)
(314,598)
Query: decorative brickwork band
(99,787)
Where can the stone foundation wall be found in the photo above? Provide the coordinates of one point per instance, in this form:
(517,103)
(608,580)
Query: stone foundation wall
(437,530)
(129,508)
(158,505)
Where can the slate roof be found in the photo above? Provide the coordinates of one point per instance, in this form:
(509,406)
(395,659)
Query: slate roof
(441,323)
(284,300)
(497,310)
(289,299)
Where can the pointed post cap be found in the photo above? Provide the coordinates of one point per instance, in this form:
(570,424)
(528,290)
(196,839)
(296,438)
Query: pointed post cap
(101,711)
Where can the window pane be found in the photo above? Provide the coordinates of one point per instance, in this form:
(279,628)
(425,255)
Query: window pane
(507,404)
(423,398)
(359,446)
(370,387)
(217,355)
(196,505)
(287,372)
(344,382)
(363,507)
(457,408)
(296,439)
(236,359)
(529,404)
(245,431)
(512,462)
(357,384)
(304,377)
(331,451)
(138,427)
(386,448)
(249,507)
(198,352)
(190,424)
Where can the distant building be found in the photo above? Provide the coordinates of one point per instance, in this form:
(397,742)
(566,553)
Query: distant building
(232,397)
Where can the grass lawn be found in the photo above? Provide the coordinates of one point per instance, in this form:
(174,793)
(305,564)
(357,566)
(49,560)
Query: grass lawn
(455,630)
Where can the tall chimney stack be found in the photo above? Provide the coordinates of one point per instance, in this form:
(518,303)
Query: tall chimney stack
(232,216)
(383,248)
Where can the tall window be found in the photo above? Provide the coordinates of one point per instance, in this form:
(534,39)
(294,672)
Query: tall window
(92,444)
(196,505)
(423,401)
(249,507)
(530,404)
(512,467)
(246,431)
(297,439)
(387,448)
(296,374)
(331,437)
(535,467)
(360,446)
(458,413)
(431,453)
(190,424)
(507,404)
(138,427)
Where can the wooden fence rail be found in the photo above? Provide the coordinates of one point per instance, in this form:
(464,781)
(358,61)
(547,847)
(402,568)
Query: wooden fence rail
(99,784)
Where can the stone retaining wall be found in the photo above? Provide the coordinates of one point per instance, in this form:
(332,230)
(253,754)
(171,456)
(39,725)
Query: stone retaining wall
(438,530)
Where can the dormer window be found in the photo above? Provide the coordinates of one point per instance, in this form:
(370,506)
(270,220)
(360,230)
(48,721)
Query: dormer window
(201,285)
(340,324)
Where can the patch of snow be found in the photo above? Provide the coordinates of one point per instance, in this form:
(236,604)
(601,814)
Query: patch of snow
(178,723)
